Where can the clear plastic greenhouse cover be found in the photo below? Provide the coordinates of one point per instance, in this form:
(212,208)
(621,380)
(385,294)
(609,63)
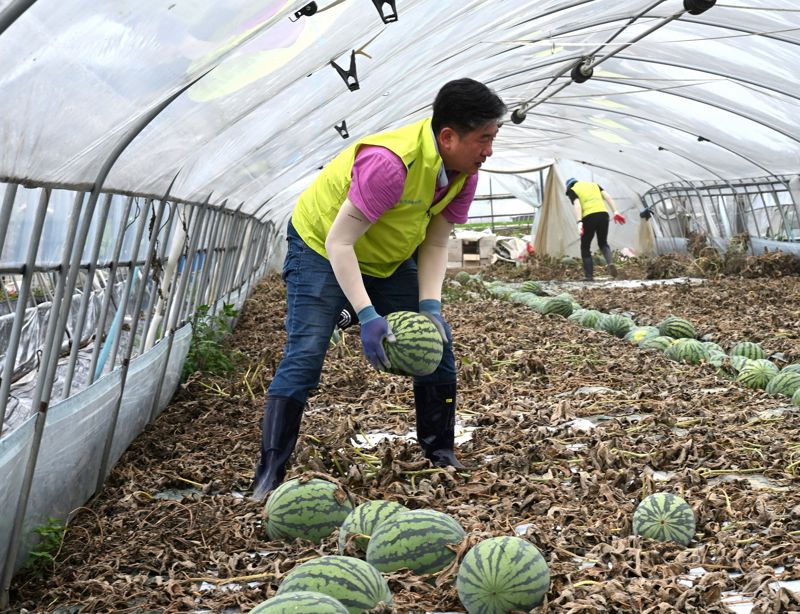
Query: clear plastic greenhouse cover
(673,95)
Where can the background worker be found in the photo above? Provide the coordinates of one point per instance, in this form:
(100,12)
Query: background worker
(351,239)
(589,201)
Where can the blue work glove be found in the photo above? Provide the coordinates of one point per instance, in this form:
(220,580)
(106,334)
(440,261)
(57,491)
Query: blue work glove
(432,309)
(374,329)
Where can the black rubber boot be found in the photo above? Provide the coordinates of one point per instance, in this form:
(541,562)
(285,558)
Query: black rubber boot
(279,430)
(588,269)
(612,269)
(436,422)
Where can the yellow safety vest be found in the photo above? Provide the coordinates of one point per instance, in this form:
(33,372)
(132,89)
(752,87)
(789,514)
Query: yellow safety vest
(393,238)
(590,196)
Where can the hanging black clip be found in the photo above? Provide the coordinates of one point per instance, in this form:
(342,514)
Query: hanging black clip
(518,116)
(387,17)
(696,7)
(307,11)
(342,129)
(349,74)
(582,71)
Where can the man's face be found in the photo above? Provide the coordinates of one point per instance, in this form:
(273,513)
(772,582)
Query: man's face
(467,153)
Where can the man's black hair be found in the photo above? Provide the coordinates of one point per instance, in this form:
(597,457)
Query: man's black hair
(465,105)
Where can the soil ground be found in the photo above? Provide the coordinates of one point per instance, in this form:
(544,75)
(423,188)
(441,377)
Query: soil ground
(570,428)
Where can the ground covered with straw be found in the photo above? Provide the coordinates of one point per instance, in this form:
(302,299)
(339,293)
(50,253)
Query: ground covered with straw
(572,427)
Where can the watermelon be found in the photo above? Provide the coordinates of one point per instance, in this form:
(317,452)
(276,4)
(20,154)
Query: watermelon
(591,318)
(664,516)
(417,349)
(498,289)
(532,286)
(353,582)
(796,397)
(785,383)
(300,602)
(559,305)
(311,509)
(657,343)
(791,369)
(576,315)
(748,349)
(678,328)
(418,540)
(757,373)
(501,574)
(639,333)
(710,346)
(615,324)
(363,521)
(686,350)
(463,277)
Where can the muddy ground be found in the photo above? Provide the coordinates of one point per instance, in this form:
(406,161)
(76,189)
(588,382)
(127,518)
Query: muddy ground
(172,532)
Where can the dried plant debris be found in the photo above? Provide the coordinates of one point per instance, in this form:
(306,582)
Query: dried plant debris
(570,429)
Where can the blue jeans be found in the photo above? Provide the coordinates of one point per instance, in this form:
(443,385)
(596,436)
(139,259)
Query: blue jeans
(314,301)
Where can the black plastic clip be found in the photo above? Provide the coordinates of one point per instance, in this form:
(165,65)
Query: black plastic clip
(696,7)
(349,74)
(387,17)
(342,129)
(307,11)
(582,72)
(518,116)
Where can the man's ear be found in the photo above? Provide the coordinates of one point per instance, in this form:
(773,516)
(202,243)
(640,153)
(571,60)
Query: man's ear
(447,136)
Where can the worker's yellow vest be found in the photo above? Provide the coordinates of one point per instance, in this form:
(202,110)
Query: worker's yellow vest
(393,238)
(590,197)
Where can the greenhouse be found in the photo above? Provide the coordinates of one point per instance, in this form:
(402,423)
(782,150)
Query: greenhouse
(625,435)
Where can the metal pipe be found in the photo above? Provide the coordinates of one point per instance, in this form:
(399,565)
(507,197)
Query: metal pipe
(21,307)
(112,427)
(5,212)
(126,293)
(107,295)
(159,255)
(172,318)
(88,292)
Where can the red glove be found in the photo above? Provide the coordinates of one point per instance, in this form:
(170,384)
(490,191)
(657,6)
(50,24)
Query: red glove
(619,218)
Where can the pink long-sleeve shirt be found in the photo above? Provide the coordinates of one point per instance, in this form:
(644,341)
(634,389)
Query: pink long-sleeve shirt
(378,178)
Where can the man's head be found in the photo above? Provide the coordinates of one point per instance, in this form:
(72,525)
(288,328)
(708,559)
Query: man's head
(571,182)
(466,117)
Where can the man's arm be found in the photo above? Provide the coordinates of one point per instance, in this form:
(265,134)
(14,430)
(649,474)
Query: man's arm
(432,259)
(347,228)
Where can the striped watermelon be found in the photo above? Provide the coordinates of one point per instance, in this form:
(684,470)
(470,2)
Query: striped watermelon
(364,520)
(591,318)
(657,343)
(664,516)
(311,509)
(785,383)
(418,540)
(796,397)
(576,315)
(678,328)
(757,373)
(748,349)
(532,286)
(615,324)
(353,582)
(418,346)
(686,350)
(791,369)
(558,305)
(501,574)
(300,602)
(639,333)
(710,346)
(498,289)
